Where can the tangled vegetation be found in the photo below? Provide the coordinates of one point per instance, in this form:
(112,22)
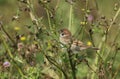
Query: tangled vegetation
(30,46)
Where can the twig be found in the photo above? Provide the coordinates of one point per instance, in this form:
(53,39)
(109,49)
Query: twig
(70,17)
(104,38)
(48,16)
(72,64)
(116,37)
(114,18)
(86,61)
(91,37)
(114,57)
(115,74)
(32,15)
(6,46)
(51,61)
(57,4)
(1,25)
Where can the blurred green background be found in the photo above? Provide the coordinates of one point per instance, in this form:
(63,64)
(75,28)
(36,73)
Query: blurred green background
(10,8)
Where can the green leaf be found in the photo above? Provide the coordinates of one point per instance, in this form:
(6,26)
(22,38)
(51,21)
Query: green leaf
(18,59)
(39,57)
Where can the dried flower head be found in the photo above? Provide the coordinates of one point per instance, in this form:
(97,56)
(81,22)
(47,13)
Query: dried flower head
(20,46)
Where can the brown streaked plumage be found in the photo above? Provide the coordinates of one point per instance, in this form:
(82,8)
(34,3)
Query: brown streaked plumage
(76,45)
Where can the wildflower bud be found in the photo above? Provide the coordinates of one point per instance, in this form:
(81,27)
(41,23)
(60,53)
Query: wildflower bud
(17,28)
(83,9)
(89,43)
(6,64)
(90,18)
(23,38)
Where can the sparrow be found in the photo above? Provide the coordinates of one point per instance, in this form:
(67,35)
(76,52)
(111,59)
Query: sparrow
(75,45)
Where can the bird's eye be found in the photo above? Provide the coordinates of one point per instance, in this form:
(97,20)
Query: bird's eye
(62,34)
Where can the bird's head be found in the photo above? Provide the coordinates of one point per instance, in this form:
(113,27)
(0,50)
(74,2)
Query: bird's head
(65,36)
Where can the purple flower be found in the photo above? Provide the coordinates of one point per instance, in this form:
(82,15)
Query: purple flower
(6,64)
(90,18)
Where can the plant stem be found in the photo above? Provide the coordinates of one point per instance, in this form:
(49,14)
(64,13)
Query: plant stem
(49,22)
(32,15)
(1,25)
(115,73)
(103,41)
(11,56)
(70,18)
(6,46)
(72,64)
(114,18)
(116,37)
(53,62)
